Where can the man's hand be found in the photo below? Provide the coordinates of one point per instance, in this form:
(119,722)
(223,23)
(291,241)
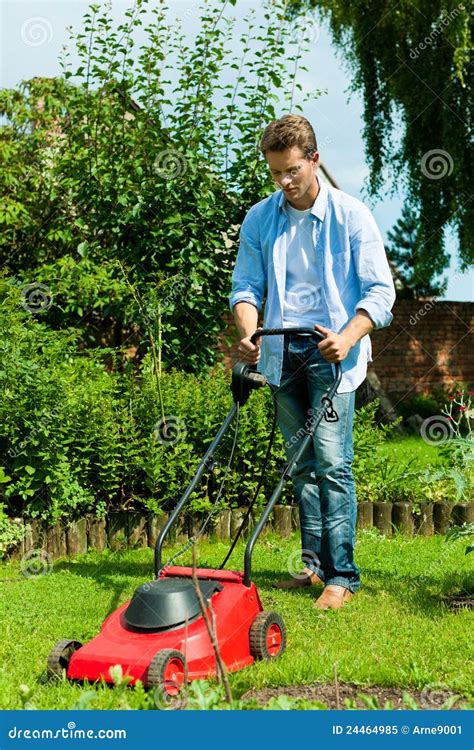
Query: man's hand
(248,352)
(335,347)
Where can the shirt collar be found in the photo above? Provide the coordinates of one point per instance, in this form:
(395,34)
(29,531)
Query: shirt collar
(319,206)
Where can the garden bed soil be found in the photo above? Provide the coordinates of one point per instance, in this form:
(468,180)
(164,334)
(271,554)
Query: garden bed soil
(432,697)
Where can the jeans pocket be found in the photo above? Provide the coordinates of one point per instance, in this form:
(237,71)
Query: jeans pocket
(320,372)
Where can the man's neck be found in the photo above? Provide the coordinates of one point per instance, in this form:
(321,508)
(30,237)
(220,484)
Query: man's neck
(308,198)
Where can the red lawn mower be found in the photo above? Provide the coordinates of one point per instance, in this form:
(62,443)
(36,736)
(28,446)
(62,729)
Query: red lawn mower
(160,636)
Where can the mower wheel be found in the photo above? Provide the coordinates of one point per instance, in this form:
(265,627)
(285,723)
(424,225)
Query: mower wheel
(59,656)
(267,636)
(168,674)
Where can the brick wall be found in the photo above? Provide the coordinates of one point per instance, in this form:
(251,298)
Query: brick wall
(429,343)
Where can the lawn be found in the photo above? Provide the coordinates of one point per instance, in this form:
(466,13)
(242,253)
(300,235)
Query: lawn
(395,632)
(404,448)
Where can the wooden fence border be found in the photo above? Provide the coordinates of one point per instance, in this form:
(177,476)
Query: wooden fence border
(121,530)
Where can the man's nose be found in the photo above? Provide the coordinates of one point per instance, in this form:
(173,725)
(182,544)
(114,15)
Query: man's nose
(286,179)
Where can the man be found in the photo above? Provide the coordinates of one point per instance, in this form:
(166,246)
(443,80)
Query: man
(317,255)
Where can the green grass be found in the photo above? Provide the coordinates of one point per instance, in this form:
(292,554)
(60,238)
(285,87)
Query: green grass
(402,449)
(395,632)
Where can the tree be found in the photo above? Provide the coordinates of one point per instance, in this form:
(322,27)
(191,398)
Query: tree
(414,265)
(125,197)
(410,61)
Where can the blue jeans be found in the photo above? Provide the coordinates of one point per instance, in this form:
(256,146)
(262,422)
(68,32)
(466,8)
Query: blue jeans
(323,481)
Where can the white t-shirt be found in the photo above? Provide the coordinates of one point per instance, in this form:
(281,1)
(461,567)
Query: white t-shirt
(302,304)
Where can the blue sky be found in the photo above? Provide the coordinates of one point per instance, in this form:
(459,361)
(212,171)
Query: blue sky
(33,33)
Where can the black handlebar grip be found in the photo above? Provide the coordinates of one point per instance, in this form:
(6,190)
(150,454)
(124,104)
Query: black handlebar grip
(281,331)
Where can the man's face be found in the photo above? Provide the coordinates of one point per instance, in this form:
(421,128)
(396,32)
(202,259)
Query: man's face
(294,174)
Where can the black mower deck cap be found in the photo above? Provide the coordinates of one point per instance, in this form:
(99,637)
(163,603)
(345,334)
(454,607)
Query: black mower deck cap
(166,603)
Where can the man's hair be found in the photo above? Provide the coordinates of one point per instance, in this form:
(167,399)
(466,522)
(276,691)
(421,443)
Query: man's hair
(288,131)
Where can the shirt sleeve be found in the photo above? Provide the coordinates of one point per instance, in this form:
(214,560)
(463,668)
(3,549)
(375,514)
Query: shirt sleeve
(377,290)
(248,278)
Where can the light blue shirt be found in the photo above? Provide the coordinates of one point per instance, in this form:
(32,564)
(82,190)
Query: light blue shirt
(302,305)
(350,261)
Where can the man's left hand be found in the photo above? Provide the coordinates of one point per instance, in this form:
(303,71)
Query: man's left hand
(335,346)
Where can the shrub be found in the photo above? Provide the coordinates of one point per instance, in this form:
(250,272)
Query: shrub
(426,405)
(192,409)
(59,433)
(79,438)
(11,533)
(429,404)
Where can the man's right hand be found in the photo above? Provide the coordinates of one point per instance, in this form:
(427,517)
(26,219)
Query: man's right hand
(248,352)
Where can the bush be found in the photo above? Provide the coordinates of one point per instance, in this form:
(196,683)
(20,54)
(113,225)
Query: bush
(428,404)
(78,438)
(11,532)
(138,163)
(59,433)
(177,425)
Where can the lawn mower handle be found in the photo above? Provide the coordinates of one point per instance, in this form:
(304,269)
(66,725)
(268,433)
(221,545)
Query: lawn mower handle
(246,379)
(286,474)
(205,465)
(279,331)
